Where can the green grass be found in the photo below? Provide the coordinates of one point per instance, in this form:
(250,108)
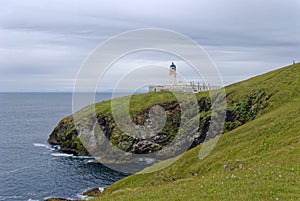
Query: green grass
(137,103)
(268,147)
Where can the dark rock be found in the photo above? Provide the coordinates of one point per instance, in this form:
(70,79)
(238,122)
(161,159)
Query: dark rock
(105,124)
(237,114)
(92,192)
(65,135)
(144,147)
(161,138)
(204,104)
(58,199)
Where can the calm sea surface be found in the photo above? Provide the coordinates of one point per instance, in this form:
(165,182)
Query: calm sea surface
(29,168)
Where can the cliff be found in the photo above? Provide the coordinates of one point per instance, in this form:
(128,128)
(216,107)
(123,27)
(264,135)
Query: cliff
(238,113)
(257,160)
(245,101)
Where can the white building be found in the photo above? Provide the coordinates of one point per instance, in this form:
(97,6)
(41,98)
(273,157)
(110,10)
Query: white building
(174,86)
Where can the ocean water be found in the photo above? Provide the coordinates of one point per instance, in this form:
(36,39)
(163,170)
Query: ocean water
(29,168)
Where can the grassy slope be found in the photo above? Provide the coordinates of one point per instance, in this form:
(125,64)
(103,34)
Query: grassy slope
(268,148)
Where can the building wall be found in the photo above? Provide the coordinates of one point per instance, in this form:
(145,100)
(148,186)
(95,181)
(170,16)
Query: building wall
(182,88)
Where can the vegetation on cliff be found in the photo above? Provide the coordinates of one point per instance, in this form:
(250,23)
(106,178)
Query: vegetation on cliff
(257,158)
(238,112)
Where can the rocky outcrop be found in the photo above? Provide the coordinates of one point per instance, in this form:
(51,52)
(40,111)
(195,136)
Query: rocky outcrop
(65,135)
(93,192)
(59,199)
(237,113)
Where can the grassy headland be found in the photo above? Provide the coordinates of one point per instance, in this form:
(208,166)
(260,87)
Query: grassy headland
(258,157)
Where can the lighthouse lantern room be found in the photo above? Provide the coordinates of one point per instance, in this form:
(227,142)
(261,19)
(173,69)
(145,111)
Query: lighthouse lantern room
(173,80)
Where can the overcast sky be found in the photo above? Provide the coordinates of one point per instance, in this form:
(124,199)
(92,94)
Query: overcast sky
(44,42)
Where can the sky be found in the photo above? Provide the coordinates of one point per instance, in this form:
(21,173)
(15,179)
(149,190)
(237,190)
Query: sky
(43,43)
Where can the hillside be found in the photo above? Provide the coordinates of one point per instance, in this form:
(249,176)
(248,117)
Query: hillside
(241,108)
(259,160)
(257,157)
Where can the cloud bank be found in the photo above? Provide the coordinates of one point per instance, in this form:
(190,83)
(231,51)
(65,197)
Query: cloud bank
(43,43)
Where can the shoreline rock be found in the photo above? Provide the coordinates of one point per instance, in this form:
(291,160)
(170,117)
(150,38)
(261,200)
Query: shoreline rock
(94,192)
(65,134)
(59,199)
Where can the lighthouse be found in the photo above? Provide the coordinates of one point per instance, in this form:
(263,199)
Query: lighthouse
(173,74)
(181,87)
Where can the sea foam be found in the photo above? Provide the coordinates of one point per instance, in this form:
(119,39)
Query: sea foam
(40,145)
(62,155)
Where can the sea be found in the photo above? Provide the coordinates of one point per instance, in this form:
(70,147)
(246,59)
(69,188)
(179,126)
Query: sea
(32,170)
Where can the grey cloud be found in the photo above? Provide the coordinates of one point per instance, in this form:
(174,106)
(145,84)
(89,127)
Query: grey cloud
(51,39)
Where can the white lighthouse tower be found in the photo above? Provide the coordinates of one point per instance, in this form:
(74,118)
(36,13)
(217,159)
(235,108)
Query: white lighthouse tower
(172,74)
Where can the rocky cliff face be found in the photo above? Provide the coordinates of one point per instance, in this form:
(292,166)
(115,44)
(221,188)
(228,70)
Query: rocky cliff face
(65,135)
(237,113)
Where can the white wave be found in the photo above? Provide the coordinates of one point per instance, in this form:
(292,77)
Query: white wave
(56,147)
(101,189)
(147,160)
(15,170)
(51,197)
(13,197)
(84,157)
(40,145)
(83,197)
(32,200)
(62,155)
